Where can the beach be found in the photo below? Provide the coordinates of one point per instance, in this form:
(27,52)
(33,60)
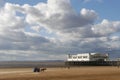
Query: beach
(61,73)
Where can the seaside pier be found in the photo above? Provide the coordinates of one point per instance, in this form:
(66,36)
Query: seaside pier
(90,59)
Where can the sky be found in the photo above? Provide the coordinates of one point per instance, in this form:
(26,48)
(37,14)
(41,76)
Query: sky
(51,29)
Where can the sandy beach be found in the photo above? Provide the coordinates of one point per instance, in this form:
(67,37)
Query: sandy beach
(74,73)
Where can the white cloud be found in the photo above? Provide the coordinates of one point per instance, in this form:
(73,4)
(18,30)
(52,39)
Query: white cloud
(106,28)
(74,32)
(89,14)
(59,19)
(58,16)
(36,28)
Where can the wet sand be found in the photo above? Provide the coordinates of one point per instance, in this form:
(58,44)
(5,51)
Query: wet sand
(74,73)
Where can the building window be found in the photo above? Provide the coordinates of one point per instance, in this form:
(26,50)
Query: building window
(79,57)
(85,56)
(74,57)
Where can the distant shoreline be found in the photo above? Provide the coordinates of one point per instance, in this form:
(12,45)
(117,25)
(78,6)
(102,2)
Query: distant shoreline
(30,64)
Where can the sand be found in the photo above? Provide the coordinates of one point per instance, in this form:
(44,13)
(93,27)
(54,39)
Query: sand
(74,73)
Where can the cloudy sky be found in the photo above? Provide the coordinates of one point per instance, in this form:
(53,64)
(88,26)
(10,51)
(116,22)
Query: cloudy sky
(51,29)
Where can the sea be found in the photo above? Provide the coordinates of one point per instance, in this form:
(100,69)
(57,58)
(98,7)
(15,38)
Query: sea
(31,64)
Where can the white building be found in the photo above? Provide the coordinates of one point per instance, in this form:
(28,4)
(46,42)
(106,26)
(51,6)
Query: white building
(88,57)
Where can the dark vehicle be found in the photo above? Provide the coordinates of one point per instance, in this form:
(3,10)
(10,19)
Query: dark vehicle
(36,69)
